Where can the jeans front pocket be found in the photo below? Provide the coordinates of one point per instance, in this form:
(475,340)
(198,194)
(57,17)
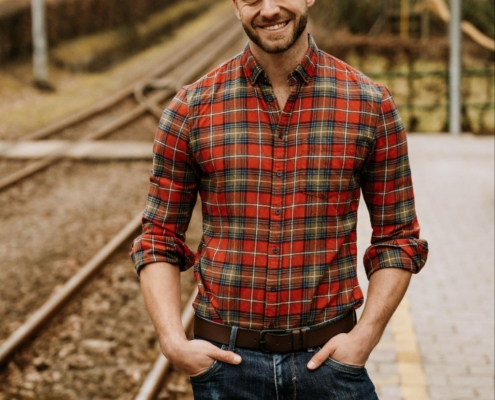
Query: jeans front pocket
(342,367)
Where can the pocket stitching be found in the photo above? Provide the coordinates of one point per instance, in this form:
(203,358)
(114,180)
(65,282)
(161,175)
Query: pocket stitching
(205,375)
(342,367)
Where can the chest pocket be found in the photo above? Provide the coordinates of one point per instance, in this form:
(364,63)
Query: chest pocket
(326,165)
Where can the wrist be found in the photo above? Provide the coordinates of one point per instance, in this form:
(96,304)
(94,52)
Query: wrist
(171,344)
(367,335)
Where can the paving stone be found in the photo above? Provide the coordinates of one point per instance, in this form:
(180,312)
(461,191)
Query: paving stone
(477,370)
(485,394)
(472,381)
(441,370)
(387,369)
(390,392)
(451,393)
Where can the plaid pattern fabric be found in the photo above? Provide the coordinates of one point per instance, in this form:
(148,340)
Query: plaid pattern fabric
(280,191)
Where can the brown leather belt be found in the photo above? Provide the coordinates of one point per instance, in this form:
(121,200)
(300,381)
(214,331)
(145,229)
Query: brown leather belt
(274,340)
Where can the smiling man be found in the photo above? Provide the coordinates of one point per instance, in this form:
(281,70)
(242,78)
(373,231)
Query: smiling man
(279,142)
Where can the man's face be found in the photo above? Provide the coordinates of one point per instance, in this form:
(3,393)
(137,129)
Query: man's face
(273,25)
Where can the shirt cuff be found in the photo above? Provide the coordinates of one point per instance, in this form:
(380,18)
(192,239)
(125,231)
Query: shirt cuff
(407,254)
(146,251)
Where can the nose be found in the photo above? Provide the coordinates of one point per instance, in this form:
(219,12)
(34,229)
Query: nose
(269,8)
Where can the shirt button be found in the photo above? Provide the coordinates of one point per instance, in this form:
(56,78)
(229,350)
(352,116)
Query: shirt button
(280,136)
(279,174)
(271,326)
(277,211)
(275,250)
(273,289)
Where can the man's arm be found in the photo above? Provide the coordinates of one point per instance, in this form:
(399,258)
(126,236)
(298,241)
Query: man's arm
(386,290)
(160,252)
(160,285)
(396,252)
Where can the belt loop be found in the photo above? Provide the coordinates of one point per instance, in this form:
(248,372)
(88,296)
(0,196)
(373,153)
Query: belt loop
(296,340)
(233,337)
(304,337)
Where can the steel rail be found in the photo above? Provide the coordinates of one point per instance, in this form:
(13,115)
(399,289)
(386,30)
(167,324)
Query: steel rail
(180,55)
(48,309)
(162,84)
(152,384)
(72,286)
(199,63)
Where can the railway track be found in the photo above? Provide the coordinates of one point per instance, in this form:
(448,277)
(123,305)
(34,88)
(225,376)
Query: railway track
(131,103)
(54,339)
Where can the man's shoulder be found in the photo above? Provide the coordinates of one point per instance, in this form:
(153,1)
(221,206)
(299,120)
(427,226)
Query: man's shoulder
(225,74)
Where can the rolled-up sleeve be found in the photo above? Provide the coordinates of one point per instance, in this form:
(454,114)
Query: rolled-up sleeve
(172,193)
(388,191)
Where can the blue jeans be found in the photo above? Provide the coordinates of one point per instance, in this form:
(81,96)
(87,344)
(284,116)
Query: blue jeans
(271,376)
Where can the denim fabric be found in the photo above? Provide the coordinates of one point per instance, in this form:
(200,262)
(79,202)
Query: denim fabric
(269,376)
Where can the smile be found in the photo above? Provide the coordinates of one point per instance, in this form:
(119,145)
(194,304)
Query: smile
(275,27)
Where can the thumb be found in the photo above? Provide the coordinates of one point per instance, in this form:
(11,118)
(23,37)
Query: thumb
(228,357)
(321,356)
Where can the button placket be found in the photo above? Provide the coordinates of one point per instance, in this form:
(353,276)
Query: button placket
(275,251)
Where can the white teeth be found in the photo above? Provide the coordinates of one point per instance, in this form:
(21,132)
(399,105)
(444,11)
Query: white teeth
(275,27)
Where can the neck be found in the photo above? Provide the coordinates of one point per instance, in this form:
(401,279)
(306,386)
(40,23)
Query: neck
(278,66)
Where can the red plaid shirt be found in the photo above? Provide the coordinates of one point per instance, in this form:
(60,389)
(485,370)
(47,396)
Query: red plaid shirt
(280,191)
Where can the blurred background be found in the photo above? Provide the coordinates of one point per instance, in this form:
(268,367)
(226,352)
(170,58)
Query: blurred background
(402,43)
(82,86)
(405,45)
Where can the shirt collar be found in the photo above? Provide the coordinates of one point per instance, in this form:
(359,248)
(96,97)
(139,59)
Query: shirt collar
(305,70)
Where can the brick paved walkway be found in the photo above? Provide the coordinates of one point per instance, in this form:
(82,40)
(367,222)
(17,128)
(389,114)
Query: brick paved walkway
(440,343)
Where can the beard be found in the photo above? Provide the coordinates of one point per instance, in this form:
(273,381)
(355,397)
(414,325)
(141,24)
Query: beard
(300,25)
